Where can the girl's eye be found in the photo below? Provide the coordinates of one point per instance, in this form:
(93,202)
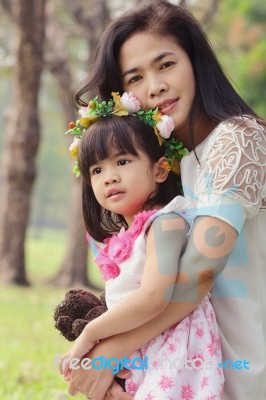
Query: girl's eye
(167,64)
(122,162)
(96,171)
(134,79)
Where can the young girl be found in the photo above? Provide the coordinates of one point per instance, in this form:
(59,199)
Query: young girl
(126,186)
(160,53)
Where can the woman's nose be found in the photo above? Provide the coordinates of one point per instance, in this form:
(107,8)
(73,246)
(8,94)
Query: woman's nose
(156,86)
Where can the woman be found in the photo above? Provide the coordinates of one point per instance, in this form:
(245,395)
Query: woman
(159,52)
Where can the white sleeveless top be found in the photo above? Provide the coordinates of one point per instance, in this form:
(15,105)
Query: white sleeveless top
(230,184)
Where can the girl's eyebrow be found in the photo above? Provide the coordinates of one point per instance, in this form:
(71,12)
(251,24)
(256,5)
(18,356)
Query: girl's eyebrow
(118,154)
(154,61)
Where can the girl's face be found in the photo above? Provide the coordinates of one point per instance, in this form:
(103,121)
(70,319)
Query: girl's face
(159,73)
(122,183)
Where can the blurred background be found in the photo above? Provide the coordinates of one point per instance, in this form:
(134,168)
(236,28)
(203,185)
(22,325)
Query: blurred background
(45,50)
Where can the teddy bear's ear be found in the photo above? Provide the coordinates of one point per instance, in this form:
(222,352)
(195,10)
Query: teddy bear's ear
(64,325)
(58,310)
(78,326)
(95,313)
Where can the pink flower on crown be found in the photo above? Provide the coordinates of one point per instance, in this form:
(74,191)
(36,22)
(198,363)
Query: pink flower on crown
(130,102)
(139,221)
(165,126)
(120,246)
(83,111)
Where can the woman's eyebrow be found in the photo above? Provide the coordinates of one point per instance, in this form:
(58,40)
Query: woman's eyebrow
(154,61)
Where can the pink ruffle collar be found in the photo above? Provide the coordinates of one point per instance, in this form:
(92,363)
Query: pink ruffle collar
(119,247)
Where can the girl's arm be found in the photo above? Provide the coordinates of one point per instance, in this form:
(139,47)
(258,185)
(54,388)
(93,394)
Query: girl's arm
(157,283)
(197,272)
(145,303)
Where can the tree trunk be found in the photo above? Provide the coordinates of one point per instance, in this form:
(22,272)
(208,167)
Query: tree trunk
(73,270)
(23,138)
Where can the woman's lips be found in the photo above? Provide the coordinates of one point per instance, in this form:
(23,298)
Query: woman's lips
(167,106)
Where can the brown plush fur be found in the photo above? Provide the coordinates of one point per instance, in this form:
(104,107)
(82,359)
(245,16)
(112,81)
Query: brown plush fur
(77,309)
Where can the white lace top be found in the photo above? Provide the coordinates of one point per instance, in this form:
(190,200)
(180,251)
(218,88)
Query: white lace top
(230,184)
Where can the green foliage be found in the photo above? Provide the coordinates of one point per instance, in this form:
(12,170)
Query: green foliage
(238,33)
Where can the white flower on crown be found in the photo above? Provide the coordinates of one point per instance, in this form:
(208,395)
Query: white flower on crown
(130,102)
(165,126)
(73,148)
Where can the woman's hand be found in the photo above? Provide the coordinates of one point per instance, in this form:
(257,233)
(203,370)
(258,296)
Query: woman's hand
(117,393)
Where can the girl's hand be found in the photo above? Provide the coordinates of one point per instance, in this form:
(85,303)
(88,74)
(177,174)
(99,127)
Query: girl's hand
(71,360)
(94,383)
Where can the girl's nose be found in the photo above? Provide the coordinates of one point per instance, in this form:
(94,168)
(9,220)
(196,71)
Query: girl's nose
(111,178)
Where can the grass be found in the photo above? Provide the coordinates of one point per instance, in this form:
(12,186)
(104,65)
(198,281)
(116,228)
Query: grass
(29,342)
(45,250)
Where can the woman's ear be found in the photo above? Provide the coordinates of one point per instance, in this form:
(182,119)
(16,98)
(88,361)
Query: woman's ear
(161,170)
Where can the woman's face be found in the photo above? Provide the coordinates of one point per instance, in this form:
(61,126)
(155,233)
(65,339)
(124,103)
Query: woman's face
(159,73)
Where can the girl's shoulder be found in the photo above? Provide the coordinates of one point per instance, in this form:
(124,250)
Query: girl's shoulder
(178,207)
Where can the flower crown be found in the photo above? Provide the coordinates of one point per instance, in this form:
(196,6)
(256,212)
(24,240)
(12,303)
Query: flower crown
(121,106)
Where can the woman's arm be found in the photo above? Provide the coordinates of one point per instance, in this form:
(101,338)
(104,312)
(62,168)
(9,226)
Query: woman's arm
(202,261)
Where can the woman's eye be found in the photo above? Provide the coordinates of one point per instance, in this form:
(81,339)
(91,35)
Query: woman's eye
(123,162)
(167,64)
(96,171)
(134,79)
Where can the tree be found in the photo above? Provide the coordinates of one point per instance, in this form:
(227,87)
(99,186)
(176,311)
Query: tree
(73,270)
(23,136)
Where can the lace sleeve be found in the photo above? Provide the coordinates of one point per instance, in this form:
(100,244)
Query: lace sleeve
(233,165)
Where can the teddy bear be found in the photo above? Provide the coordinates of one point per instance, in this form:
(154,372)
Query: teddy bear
(77,309)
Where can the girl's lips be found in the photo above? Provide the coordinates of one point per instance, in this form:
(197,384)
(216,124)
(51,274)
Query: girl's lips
(114,193)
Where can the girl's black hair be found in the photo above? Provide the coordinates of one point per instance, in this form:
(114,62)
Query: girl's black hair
(124,135)
(215,96)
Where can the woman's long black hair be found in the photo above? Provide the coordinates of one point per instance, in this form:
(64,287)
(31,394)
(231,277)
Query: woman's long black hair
(215,96)
(124,135)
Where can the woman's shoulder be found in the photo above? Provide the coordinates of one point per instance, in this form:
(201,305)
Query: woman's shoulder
(233,162)
(241,134)
(237,126)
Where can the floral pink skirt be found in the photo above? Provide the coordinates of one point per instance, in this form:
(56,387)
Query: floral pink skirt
(183,362)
